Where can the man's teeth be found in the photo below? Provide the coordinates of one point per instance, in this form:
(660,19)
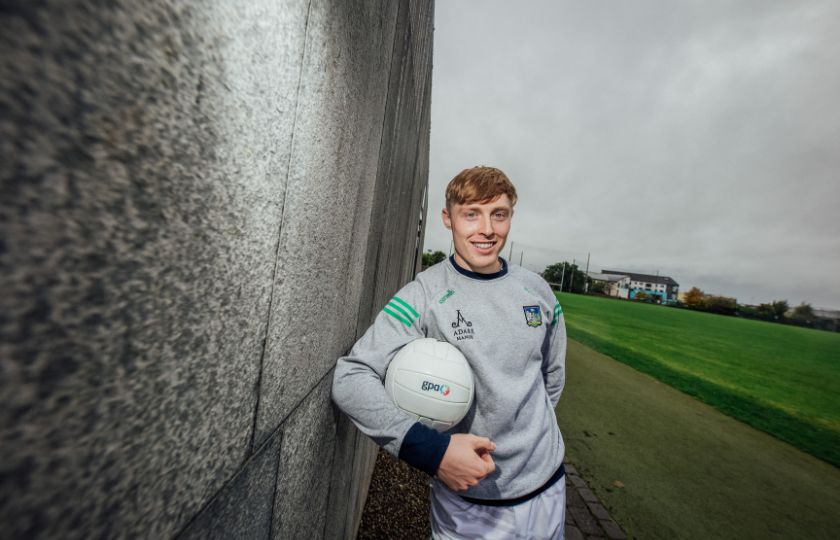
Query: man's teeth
(484,245)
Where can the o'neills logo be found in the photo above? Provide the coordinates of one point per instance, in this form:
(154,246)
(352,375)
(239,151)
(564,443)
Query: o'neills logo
(440,388)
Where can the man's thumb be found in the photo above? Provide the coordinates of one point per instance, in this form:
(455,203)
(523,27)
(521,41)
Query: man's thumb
(483,443)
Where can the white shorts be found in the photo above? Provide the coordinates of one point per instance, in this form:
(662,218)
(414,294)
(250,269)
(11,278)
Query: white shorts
(453,518)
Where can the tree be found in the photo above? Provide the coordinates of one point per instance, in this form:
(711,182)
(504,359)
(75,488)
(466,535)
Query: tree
(773,312)
(803,313)
(567,276)
(722,305)
(780,307)
(766,312)
(694,298)
(430,258)
(749,312)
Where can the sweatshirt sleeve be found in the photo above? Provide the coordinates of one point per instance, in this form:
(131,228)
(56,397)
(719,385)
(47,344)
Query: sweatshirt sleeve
(358,387)
(554,356)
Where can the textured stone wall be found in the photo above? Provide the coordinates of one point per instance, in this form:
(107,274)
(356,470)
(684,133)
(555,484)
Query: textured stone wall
(202,205)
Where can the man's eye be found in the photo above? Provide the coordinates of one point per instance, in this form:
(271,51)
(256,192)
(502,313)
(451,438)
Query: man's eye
(501,215)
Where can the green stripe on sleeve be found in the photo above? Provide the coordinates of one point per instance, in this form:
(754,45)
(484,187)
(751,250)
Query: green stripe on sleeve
(404,303)
(405,314)
(397,316)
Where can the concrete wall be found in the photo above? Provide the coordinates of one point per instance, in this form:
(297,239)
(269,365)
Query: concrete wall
(202,205)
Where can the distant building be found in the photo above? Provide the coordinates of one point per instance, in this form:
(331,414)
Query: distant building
(831,318)
(825,313)
(613,284)
(662,288)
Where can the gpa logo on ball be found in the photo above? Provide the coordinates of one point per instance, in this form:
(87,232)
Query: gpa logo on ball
(439,388)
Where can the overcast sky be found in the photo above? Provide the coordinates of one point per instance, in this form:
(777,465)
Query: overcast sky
(697,139)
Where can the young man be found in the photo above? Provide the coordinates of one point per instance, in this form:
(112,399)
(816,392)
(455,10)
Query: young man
(499,472)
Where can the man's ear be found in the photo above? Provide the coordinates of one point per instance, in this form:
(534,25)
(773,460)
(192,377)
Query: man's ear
(447,221)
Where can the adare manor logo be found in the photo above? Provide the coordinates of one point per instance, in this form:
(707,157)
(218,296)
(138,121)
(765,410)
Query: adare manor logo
(462,328)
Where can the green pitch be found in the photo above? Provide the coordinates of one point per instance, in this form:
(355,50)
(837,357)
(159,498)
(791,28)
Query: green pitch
(781,379)
(669,466)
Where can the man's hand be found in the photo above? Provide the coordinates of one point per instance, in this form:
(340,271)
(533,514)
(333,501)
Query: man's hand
(466,461)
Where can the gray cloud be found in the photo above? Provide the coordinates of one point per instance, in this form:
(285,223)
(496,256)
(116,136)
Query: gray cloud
(700,139)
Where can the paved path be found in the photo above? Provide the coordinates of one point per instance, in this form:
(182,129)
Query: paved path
(585,515)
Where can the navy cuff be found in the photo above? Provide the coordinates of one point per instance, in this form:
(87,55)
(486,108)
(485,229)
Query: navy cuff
(423,448)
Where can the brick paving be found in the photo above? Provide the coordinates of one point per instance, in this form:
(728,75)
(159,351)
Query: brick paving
(586,518)
(398,505)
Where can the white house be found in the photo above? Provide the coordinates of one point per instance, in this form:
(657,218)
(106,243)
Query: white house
(614,285)
(662,288)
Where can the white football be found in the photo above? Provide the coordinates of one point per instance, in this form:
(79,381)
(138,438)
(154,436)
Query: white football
(432,381)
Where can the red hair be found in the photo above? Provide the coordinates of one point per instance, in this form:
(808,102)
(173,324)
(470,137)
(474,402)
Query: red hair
(479,185)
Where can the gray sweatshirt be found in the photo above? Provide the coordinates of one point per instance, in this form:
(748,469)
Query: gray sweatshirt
(510,328)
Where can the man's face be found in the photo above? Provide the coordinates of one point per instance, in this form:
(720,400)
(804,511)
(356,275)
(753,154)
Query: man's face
(479,232)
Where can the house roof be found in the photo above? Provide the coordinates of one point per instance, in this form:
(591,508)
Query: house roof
(648,278)
(605,277)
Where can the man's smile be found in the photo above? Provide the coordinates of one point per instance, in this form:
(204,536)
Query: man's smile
(484,245)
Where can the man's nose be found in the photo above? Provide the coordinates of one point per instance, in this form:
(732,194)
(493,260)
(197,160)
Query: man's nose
(486,227)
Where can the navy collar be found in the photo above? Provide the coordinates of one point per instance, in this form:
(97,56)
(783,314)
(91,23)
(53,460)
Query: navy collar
(476,275)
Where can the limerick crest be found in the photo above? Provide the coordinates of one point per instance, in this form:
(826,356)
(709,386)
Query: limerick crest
(533,316)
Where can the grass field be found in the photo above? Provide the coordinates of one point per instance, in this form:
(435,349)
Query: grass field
(781,379)
(685,469)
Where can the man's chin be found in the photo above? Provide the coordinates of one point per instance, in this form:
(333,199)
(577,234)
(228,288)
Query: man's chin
(484,257)
(482,263)
(486,263)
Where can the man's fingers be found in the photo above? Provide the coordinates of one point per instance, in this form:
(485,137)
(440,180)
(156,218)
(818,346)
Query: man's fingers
(489,463)
(484,443)
(483,446)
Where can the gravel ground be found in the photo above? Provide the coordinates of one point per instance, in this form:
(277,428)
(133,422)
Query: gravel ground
(398,501)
